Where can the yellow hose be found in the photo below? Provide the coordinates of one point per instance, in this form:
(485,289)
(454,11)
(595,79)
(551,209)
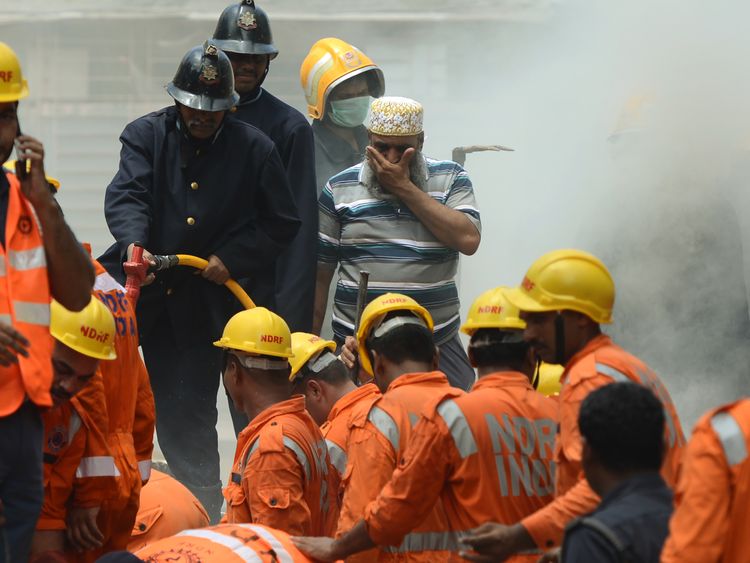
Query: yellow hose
(231,285)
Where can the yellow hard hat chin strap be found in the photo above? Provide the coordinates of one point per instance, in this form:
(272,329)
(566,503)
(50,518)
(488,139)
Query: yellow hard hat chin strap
(253,362)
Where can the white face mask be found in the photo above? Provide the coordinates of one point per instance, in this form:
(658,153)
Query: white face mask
(350,112)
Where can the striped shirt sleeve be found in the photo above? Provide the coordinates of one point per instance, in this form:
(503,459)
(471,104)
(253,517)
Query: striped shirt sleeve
(461,197)
(329,228)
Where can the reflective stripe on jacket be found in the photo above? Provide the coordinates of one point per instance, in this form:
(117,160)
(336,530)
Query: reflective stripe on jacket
(24,304)
(712,515)
(599,363)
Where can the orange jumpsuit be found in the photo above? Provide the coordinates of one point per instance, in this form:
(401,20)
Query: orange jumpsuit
(129,425)
(711,521)
(487,455)
(599,363)
(282,476)
(225,543)
(335,430)
(167,507)
(377,441)
(71,434)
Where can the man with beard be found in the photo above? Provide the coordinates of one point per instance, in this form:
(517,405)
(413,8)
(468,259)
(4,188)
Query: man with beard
(191,181)
(405,218)
(243,32)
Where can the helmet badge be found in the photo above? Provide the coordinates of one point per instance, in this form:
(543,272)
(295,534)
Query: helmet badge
(351,59)
(209,74)
(247,21)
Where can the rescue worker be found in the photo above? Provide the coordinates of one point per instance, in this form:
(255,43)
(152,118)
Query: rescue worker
(281,475)
(339,81)
(622,427)
(97,528)
(396,347)
(331,397)
(166,508)
(486,455)
(82,340)
(243,32)
(421,212)
(191,181)
(42,260)
(227,543)
(711,516)
(564,298)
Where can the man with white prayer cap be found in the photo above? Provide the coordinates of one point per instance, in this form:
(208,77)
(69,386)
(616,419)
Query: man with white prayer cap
(405,218)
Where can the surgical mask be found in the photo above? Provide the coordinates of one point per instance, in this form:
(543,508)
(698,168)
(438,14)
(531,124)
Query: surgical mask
(350,112)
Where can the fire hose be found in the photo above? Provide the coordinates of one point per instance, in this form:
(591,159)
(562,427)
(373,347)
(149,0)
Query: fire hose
(137,269)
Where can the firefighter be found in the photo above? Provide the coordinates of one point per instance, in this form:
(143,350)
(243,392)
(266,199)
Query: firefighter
(281,475)
(712,496)
(191,181)
(243,32)
(227,543)
(339,81)
(486,455)
(331,397)
(82,340)
(42,260)
(564,298)
(396,347)
(166,508)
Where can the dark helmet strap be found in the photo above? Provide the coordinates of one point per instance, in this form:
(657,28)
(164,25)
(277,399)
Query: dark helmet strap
(559,339)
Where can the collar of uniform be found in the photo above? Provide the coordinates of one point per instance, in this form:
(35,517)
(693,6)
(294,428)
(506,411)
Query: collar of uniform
(291,406)
(644,483)
(503,379)
(336,148)
(352,398)
(252,97)
(423,377)
(593,345)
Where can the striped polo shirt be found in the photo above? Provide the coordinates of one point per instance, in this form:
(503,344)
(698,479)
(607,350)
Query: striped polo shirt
(359,231)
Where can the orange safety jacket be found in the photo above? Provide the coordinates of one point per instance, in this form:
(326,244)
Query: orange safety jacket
(335,430)
(24,304)
(487,455)
(68,430)
(600,362)
(282,476)
(225,543)
(166,508)
(711,521)
(377,441)
(128,426)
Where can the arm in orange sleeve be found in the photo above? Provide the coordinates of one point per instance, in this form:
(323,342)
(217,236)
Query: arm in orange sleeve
(702,515)
(143,424)
(370,464)
(273,486)
(415,487)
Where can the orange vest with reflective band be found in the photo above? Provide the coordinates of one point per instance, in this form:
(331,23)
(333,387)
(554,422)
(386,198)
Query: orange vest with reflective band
(712,498)
(24,304)
(225,543)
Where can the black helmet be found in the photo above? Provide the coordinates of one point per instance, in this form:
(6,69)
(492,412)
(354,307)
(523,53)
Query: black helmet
(204,80)
(244,28)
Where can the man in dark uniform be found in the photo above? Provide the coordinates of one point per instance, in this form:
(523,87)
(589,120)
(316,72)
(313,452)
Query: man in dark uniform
(193,182)
(244,34)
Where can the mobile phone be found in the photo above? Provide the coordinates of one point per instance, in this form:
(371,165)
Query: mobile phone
(22,173)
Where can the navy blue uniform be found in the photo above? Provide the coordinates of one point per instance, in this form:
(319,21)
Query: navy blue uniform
(226,196)
(295,271)
(630,524)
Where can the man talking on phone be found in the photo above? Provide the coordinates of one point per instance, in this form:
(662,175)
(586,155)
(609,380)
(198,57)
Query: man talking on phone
(41,259)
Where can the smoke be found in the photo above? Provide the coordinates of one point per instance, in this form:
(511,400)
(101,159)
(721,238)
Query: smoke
(630,122)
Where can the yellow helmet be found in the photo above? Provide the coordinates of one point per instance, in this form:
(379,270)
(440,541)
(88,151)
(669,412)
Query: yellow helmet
(13,86)
(567,280)
(492,310)
(330,62)
(90,332)
(257,331)
(306,346)
(11,165)
(548,382)
(373,316)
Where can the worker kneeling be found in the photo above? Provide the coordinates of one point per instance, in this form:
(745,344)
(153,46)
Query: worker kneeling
(281,475)
(487,455)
